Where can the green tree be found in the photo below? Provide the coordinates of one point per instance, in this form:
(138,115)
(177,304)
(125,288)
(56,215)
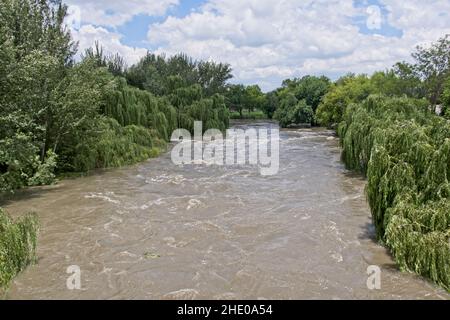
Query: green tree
(271,103)
(309,88)
(348,89)
(253,98)
(446,99)
(154,72)
(293,111)
(433,67)
(399,81)
(235,98)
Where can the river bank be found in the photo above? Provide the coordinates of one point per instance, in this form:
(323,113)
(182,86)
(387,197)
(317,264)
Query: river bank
(160,231)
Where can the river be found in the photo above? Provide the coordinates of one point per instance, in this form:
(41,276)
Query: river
(160,231)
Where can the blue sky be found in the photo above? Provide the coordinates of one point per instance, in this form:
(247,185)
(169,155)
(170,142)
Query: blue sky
(135,31)
(266,41)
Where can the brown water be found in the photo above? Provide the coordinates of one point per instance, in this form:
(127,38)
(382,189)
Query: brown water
(159,231)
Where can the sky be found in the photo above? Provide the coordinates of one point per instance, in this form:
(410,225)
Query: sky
(265,41)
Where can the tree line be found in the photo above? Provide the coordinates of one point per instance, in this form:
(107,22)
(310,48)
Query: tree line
(317,100)
(58,115)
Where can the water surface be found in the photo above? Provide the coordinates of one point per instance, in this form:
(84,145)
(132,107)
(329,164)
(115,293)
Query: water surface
(160,231)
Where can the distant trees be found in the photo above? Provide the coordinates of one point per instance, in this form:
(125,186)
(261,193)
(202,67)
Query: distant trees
(297,100)
(253,98)
(240,98)
(156,74)
(309,88)
(271,103)
(346,90)
(115,63)
(235,97)
(433,67)
(293,111)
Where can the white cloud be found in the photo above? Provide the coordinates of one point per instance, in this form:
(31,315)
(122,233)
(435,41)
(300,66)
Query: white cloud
(92,20)
(116,12)
(111,42)
(266,41)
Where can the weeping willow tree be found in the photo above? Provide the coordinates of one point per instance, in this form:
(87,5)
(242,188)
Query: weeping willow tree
(132,106)
(116,146)
(17,245)
(404,150)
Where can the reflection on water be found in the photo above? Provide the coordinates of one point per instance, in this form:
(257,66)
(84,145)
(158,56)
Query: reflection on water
(160,231)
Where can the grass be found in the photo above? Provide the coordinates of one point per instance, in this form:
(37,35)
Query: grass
(18,242)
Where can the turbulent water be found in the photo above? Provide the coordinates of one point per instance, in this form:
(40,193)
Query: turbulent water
(161,231)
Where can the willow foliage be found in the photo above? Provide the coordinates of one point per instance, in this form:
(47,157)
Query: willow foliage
(404,150)
(17,245)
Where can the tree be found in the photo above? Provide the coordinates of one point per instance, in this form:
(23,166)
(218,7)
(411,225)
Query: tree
(213,77)
(293,111)
(253,98)
(235,98)
(310,88)
(35,51)
(433,67)
(446,99)
(39,25)
(78,99)
(346,90)
(114,62)
(409,83)
(271,103)
(153,73)
(399,81)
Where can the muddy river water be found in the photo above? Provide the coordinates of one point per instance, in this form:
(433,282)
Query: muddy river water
(160,231)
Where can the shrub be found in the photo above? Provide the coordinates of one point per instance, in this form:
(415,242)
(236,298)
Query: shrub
(17,245)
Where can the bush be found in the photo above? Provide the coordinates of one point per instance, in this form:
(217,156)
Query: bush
(117,146)
(45,172)
(17,245)
(292,111)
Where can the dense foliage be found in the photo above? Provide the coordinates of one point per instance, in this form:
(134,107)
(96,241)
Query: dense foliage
(427,78)
(292,111)
(57,115)
(17,245)
(297,100)
(404,149)
(244,99)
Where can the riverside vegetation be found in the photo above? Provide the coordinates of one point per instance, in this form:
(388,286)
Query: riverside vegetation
(60,116)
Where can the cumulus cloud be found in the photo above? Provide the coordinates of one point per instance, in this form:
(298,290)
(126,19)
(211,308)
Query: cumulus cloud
(267,41)
(87,35)
(117,12)
(93,20)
